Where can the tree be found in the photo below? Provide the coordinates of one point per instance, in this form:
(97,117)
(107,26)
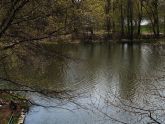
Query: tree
(130,19)
(151,8)
(122,18)
(12,9)
(108,16)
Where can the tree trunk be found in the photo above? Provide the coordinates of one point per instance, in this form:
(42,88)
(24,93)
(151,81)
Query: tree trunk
(130,19)
(140,18)
(156,18)
(122,19)
(164,25)
(108,18)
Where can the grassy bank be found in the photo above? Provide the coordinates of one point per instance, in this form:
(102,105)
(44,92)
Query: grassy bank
(11,107)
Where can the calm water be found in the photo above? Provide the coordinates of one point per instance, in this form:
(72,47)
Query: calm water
(102,80)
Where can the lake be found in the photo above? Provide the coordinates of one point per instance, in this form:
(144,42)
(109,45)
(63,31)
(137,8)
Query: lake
(101,83)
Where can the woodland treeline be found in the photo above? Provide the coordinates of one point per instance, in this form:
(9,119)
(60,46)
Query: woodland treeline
(31,20)
(24,23)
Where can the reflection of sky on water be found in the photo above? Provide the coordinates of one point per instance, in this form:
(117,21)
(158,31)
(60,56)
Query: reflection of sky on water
(103,72)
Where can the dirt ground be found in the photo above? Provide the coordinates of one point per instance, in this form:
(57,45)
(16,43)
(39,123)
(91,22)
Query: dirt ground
(5,110)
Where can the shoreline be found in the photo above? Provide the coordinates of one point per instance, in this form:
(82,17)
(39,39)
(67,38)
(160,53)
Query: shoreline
(65,39)
(12,108)
(114,41)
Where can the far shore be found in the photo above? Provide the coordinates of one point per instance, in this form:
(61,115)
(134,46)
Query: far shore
(100,39)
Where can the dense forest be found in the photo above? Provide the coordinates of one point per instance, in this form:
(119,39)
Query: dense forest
(32,20)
